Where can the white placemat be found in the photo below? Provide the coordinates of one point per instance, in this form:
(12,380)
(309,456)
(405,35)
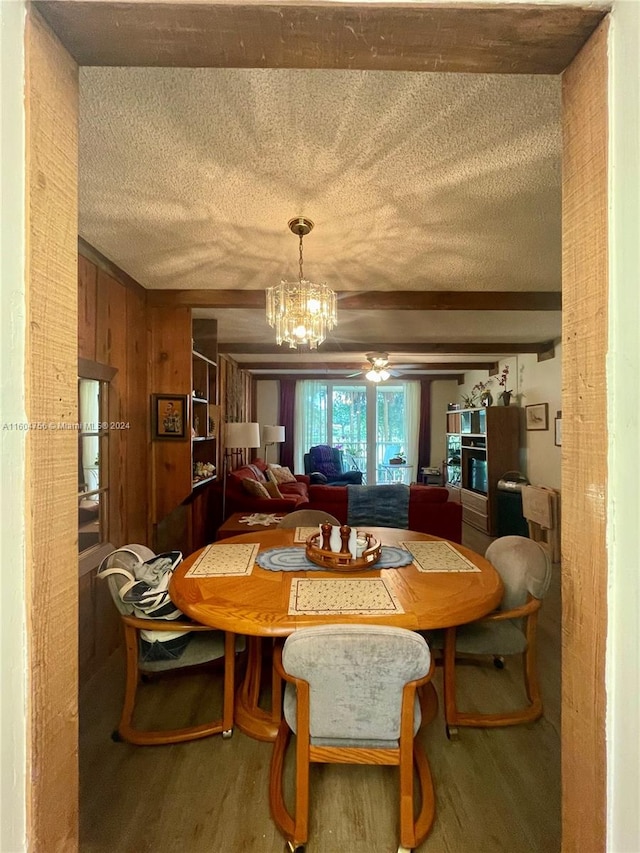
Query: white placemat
(342,596)
(438,557)
(219,560)
(303,533)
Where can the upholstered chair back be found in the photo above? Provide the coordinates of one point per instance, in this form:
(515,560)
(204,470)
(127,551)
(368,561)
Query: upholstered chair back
(356,675)
(307,518)
(523,565)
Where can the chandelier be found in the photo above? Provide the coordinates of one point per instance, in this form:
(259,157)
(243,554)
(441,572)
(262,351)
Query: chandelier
(300,311)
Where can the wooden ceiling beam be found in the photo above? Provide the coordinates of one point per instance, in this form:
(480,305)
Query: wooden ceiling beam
(357,364)
(423,347)
(377,300)
(457,377)
(298,34)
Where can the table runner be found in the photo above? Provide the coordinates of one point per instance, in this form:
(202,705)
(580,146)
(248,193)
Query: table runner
(438,557)
(295,560)
(221,560)
(342,596)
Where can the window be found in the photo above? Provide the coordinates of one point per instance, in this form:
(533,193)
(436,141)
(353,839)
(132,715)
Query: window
(370,423)
(93,454)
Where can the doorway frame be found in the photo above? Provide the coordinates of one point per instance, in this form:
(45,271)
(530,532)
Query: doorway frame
(52,108)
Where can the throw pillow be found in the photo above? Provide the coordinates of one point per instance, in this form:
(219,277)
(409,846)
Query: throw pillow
(254,488)
(272,488)
(280,474)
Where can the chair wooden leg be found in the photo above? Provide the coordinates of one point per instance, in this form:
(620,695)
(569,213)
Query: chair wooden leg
(281,816)
(132,678)
(302,765)
(424,820)
(407,825)
(449,678)
(150,737)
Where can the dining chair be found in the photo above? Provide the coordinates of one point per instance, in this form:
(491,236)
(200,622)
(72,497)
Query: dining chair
(525,569)
(150,652)
(307,518)
(351,698)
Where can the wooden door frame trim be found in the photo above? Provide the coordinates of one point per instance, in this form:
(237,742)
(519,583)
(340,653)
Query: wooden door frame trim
(55,826)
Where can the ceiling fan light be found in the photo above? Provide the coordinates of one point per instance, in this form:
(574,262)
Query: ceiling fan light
(384,374)
(373,376)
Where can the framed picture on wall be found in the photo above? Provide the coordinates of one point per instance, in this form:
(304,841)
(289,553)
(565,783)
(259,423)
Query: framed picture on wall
(169,416)
(537,416)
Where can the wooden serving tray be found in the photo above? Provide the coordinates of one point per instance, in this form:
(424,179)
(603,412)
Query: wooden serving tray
(333,562)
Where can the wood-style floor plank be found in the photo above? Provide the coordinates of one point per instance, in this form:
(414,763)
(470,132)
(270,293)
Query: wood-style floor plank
(497,791)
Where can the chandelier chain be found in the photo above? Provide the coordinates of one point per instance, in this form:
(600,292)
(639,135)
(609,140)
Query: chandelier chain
(300,261)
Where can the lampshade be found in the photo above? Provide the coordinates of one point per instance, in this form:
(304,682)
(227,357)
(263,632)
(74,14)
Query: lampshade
(272,434)
(242,435)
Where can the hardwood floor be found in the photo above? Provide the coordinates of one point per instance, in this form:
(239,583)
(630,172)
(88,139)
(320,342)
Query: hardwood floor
(497,791)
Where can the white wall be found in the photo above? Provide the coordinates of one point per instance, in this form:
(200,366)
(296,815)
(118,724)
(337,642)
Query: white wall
(13,709)
(623,391)
(532,382)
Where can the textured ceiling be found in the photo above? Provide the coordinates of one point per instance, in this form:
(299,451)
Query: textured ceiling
(415,181)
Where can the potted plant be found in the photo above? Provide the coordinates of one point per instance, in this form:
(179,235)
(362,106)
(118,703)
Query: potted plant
(506,393)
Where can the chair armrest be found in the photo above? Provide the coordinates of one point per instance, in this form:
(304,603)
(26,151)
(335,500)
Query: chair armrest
(277,665)
(530,607)
(303,478)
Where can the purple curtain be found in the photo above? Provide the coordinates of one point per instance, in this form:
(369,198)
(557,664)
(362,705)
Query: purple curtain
(287,413)
(424,435)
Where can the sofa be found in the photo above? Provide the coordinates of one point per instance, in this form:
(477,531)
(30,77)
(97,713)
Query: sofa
(430,510)
(238,499)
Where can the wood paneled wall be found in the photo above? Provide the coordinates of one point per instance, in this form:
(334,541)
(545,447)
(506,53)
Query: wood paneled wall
(237,394)
(112,329)
(584,447)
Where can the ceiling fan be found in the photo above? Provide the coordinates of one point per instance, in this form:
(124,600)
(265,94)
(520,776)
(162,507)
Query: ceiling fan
(378,369)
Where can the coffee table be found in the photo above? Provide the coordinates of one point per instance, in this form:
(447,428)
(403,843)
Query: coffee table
(233,526)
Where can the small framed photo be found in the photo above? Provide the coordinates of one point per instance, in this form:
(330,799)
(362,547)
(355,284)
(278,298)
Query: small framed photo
(169,416)
(557,440)
(537,416)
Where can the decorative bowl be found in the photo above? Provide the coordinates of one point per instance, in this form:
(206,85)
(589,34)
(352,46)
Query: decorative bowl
(336,562)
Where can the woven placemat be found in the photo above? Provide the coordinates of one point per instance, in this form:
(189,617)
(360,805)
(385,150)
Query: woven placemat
(342,596)
(221,560)
(438,557)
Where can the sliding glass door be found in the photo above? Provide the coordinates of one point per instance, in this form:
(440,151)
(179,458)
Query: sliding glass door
(348,425)
(371,424)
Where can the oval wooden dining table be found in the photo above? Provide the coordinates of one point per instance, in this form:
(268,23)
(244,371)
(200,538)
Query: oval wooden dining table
(257,605)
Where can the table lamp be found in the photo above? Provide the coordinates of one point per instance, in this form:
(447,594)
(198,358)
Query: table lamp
(237,436)
(272,435)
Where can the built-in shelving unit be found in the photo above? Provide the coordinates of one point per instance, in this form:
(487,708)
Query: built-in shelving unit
(481,446)
(204,418)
